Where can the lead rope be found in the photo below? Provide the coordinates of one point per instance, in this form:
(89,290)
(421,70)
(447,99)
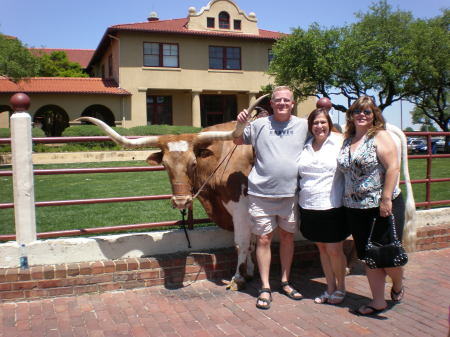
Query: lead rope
(183,225)
(230,153)
(183,211)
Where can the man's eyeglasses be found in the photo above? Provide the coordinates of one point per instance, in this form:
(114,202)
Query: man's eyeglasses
(357,112)
(282,100)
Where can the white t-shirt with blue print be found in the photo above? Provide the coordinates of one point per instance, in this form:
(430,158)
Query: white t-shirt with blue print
(277,147)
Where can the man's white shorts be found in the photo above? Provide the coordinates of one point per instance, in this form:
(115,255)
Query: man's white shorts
(268,213)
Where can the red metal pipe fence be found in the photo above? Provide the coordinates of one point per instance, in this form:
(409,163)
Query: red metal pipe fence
(51,140)
(429,157)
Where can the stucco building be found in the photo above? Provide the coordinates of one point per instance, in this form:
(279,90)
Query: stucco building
(198,70)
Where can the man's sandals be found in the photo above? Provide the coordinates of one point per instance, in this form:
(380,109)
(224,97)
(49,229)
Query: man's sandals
(293,294)
(264,303)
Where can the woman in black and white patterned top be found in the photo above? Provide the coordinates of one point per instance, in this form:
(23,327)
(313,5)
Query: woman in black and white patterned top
(368,159)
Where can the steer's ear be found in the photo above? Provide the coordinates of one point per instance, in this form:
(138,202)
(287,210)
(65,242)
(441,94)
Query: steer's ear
(155,158)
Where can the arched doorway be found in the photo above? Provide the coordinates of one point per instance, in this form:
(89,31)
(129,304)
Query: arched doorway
(100,112)
(54,120)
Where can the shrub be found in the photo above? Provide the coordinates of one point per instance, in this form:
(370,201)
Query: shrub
(145,130)
(35,132)
(5,133)
(89,131)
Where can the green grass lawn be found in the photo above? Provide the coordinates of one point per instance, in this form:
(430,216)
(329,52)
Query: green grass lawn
(440,168)
(106,185)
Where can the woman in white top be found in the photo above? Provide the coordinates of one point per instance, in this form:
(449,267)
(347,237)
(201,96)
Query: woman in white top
(320,200)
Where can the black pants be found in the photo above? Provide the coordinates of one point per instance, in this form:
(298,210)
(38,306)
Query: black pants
(360,221)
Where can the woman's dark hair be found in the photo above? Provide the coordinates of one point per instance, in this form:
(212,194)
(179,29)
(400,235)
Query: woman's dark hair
(362,103)
(316,112)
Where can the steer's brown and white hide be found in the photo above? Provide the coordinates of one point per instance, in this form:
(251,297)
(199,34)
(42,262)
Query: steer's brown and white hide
(189,162)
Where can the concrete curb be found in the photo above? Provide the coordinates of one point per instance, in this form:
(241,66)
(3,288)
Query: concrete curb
(81,157)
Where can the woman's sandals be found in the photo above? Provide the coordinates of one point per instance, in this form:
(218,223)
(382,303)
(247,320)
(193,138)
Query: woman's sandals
(397,296)
(335,298)
(322,299)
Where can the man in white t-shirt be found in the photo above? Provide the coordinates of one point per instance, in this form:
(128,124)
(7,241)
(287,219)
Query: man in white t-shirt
(277,141)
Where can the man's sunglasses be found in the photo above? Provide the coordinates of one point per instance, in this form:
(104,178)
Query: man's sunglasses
(357,112)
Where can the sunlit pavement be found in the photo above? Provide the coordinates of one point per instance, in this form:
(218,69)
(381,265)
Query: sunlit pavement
(205,308)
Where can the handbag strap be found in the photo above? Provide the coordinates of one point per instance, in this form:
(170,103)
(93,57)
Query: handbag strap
(392,230)
(391,220)
(369,239)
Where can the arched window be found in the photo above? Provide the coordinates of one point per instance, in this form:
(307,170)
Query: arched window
(224,20)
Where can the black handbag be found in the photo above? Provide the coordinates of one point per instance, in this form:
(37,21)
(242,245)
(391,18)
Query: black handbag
(385,255)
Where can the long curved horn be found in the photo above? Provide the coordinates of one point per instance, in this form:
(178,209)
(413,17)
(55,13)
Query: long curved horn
(125,142)
(229,135)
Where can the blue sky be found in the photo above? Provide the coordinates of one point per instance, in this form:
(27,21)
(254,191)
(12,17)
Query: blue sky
(81,24)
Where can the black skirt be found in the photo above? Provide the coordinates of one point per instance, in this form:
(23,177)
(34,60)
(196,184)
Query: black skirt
(326,226)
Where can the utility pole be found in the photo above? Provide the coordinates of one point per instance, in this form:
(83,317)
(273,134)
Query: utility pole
(401,114)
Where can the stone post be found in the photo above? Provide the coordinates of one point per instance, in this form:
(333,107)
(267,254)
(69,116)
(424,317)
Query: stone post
(22,165)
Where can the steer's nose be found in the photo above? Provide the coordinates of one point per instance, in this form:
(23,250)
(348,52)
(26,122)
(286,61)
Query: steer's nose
(181,201)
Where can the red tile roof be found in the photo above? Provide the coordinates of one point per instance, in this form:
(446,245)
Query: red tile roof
(80,56)
(62,85)
(178,26)
(9,37)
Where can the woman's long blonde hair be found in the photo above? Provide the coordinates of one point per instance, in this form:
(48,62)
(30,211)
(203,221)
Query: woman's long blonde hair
(364,102)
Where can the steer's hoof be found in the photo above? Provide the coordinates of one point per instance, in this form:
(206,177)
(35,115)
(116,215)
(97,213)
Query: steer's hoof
(248,278)
(236,285)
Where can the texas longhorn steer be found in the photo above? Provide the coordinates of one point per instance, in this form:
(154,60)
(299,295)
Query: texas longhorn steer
(190,160)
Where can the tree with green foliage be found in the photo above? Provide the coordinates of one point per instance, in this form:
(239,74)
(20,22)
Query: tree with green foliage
(57,64)
(306,61)
(427,128)
(16,61)
(430,58)
(365,58)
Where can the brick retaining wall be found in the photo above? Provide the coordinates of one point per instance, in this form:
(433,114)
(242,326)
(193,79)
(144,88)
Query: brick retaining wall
(169,270)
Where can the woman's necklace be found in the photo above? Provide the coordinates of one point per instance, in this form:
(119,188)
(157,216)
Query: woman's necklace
(317,145)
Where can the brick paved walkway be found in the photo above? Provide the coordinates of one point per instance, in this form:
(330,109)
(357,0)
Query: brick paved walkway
(207,309)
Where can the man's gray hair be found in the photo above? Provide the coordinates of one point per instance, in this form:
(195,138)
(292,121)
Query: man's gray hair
(280,88)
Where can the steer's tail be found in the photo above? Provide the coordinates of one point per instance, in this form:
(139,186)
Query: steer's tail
(409,231)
